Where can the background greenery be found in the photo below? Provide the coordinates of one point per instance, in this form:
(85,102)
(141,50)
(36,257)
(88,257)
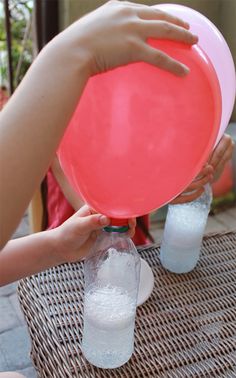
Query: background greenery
(22,45)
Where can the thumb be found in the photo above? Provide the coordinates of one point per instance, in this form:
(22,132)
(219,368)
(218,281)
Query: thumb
(93,222)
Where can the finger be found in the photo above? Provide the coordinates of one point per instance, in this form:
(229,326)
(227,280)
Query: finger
(166,30)
(185,198)
(206,175)
(207,170)
(218,171)
(223,146)
(224,160)
(93,211)
(217,156)
(221,165)
(91,223)
(161,60)
(226,157)
(153,13)
(229,153)
(199,183)
(84,211)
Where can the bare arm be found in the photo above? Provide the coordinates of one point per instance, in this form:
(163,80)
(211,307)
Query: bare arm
(67,243)
(33,121)
(28,255)
(37,252)
(32,124)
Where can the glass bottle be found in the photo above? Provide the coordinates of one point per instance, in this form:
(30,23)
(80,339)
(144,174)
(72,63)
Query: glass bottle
(111,272)
(184,229)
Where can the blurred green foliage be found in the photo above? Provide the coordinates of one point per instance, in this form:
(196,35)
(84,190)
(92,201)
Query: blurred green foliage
(21,34)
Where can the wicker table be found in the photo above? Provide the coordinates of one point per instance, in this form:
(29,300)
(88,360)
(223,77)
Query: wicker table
(187,328)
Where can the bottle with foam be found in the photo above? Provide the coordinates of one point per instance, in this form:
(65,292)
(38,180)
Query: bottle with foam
(184,229)
(111,273)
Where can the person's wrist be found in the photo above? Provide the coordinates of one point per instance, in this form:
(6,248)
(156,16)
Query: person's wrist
(75,50)
(56,247)
(69,56)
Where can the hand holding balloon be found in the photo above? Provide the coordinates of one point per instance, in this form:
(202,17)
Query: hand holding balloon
(196,188)
(116,34)
(211,172)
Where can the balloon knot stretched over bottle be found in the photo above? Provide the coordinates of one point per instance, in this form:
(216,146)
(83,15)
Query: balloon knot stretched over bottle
(117,225)
(119,222)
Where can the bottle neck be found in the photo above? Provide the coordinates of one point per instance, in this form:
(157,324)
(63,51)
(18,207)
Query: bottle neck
(118,229)
(118,225)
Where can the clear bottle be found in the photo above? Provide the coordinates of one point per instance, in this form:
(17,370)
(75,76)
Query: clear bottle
(111,273)
(183,233)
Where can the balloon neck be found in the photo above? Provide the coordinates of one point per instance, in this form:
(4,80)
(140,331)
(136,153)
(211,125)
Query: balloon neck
(119,222)
(117,225)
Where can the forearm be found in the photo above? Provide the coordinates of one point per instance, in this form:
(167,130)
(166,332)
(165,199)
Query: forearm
(28,139)
(28,255)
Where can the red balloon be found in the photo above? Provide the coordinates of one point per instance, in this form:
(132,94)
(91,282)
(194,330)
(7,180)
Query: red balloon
(139,135)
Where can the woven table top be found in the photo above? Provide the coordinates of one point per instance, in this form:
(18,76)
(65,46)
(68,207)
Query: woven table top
(187,328)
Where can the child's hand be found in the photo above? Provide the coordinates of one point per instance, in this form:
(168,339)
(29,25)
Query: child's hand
(196,188)
(117,32)
(76,235)
(221,155)
(211,172)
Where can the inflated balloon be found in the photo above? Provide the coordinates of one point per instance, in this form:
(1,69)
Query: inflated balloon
(139,135)
(215,46)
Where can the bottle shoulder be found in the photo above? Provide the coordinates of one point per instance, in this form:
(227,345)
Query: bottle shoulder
(108,242)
